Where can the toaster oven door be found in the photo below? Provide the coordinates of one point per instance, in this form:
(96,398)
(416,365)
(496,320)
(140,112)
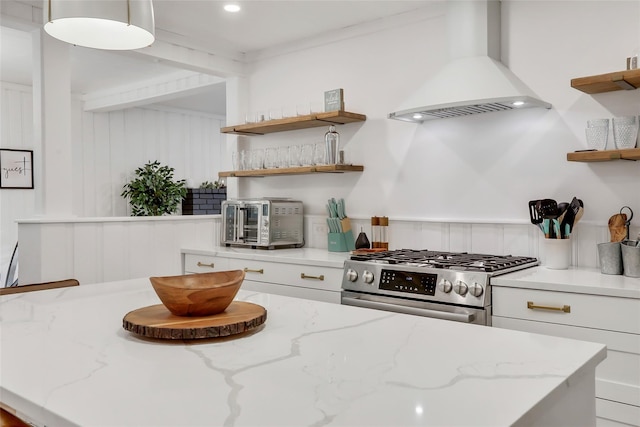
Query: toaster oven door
(250,221)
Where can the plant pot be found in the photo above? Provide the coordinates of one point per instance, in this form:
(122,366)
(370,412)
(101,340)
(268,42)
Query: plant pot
(203,201)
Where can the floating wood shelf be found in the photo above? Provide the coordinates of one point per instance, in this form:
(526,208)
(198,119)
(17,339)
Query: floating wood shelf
(619,80)
(604,156)
(295,123)
(293,171)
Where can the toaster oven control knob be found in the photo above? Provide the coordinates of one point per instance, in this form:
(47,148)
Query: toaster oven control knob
(352,275)
(460,288)
(367,276)
(445,286)
(475,289)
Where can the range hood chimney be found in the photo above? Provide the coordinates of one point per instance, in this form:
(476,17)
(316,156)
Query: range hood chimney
(474,81)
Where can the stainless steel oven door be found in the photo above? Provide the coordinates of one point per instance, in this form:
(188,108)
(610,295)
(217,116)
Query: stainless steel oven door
(419,308)
(249,226)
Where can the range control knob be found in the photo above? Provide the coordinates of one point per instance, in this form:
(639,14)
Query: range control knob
(367,276)
(445,286)
(475,289)
(352,275)
(460,288)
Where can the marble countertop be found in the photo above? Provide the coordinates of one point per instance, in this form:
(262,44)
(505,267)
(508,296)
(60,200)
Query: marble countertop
(307,256)
(578,280)
(66,360)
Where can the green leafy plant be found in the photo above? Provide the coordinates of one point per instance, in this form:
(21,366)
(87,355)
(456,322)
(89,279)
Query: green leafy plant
(212,185)
(153,191)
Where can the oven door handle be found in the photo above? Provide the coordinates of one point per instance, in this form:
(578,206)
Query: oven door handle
(444,315)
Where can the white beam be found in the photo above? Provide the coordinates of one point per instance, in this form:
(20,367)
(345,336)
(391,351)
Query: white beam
(168,87)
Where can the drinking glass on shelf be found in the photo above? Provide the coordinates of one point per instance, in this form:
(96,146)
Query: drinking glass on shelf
(283,157)
(270,158)
(245,160)
(316,107)
(625,132)
(257,159)
(275,113)
(303,109)
(306,155)
(294,156)
(250,117)
(319,154)
(235,160)
(289,111)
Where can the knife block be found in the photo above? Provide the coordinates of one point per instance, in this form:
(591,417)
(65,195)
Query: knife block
(342,242)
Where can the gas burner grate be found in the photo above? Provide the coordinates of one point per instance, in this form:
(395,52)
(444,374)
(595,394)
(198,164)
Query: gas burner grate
(462,261)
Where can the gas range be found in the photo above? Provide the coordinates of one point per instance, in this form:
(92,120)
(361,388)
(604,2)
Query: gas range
(408,280)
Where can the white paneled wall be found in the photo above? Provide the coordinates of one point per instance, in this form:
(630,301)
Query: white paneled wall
(112,145)
(16,131)
(107,148)
(95,250)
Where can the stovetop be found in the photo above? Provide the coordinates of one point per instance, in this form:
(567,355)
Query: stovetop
(459,261)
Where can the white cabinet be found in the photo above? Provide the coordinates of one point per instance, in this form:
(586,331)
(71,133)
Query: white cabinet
(613,321)
(301,279)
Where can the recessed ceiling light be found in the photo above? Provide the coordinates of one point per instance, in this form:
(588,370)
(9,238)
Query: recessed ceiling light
(232,8)
(518,103)
(417,116)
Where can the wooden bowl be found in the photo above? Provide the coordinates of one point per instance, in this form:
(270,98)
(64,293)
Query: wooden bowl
(202,294)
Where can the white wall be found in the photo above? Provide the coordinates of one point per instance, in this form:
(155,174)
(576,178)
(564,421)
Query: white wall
(16,131)
(484,167)
(107,148)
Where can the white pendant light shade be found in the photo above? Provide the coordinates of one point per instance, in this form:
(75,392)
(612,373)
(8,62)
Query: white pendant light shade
(101,24)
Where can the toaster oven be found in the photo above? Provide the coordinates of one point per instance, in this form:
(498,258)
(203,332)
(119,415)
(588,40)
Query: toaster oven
(262,223)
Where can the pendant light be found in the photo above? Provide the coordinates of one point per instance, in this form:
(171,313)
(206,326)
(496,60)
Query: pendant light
(101,24)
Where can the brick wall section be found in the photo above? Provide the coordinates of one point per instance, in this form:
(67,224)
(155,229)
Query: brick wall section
(201,201)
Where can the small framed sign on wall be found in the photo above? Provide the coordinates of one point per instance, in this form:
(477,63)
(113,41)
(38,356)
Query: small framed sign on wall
(16,168)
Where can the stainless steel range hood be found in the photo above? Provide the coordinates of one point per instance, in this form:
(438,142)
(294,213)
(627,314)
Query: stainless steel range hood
(474,81)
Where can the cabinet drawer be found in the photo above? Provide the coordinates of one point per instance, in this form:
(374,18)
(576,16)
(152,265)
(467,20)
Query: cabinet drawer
(204,264)
(292,291)
(593,311)
(618,376)
(306,276)
(610,414)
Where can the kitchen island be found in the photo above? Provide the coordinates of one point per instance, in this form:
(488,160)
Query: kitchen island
(66,360)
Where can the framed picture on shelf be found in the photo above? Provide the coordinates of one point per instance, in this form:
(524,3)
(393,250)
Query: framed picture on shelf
(16,168)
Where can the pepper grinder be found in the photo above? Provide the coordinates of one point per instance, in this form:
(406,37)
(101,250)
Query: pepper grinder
(362,242)
(332,143)
(384,224)
(375,232)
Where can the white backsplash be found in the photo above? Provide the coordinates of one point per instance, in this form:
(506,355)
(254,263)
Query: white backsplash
(498,239)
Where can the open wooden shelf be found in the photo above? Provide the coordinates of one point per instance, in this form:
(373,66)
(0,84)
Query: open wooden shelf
(605,155)
(619,80)
(295,123)
(293,171)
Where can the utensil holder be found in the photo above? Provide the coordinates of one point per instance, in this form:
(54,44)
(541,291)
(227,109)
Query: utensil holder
(630,258)
(557,253)
(610,256)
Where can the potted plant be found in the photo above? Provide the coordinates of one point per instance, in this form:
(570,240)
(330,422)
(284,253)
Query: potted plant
(153,191)
(206,200)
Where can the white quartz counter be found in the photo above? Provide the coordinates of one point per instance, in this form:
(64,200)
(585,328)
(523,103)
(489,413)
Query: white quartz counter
(67,361)
(319,257)
(578,280)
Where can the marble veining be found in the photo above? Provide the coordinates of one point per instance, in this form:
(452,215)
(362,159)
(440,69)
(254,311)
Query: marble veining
(67,361)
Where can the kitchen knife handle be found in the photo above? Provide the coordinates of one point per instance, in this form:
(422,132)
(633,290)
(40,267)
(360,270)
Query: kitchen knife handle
(249,270)
(304,276)
(533,306)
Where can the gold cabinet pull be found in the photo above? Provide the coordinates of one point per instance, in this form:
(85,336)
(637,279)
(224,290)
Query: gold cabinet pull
(564,308)
(249,270)
(304,276)
(202,264)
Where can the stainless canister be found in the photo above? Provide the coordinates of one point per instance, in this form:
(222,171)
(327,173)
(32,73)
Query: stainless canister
(631,258)
(610,256)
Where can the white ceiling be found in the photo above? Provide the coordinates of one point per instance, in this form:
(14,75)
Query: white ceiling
(203,24)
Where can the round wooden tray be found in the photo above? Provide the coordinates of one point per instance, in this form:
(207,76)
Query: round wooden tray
(156,321)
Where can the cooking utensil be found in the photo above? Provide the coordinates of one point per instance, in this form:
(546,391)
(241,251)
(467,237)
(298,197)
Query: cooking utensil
(548,208)
(628,221)
(617,228)
(570,215)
